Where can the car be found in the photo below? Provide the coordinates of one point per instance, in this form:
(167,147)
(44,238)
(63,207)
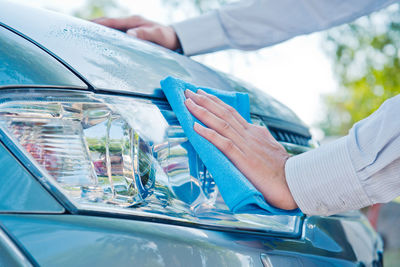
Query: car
(96,170)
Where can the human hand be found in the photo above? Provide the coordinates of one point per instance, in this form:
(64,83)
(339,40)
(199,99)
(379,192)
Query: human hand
(144,29)
(251,148)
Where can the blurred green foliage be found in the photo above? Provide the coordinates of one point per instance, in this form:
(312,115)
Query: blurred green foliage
(201,6)
(367,64)
(103,8)
(100,8)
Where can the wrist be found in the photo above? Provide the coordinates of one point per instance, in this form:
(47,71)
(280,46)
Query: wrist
(289,202)
(274,187)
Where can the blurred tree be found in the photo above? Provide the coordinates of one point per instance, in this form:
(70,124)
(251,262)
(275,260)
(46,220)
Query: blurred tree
(100,8)
(200,6)
(367,64)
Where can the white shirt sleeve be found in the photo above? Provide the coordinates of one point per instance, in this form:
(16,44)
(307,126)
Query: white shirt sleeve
(254,24)
(358,170)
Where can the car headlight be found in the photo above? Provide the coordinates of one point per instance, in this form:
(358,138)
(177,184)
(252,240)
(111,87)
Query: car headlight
(119,154)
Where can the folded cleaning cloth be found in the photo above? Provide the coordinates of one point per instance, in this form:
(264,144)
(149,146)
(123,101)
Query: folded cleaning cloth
(238,193)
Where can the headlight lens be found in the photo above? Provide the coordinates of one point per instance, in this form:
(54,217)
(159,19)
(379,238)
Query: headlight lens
(121,155)
(86,146)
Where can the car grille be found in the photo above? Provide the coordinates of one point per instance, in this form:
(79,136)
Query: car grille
(282,135)
(289,137)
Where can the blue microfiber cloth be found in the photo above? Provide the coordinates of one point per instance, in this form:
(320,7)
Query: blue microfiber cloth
(238,193)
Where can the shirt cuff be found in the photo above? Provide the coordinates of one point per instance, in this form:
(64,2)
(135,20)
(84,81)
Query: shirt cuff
(201,35)
(323,181)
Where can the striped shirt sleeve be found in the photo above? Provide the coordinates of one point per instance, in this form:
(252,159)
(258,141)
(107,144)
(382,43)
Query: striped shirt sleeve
(253,24)
(355,171)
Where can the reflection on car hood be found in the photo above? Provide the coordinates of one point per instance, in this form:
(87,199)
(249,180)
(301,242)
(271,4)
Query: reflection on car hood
(111,60)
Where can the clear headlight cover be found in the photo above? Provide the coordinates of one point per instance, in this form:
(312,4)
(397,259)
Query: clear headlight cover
(121,155)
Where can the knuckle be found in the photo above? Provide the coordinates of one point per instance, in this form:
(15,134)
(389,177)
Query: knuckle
(228,146)
(226,114)
(225,126)
(141,33)
(158,30)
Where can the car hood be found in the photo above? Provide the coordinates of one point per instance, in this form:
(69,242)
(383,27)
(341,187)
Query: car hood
(113,61)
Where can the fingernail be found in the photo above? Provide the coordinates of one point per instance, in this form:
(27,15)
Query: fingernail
(188,101)
(199,91)
(131,33)
(196,126)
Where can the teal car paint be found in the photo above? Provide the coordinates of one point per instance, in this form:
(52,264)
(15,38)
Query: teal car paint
(91,240)
(57,53)
(20,192)
(24,64)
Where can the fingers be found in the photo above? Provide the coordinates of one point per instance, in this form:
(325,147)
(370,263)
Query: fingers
(159,34)
(223,112)
(140,32)
(229,116)
(219,125)
(122,23)
(258,156)
(258,131)
(226,146)
(217,115)
(148,33)
(231,110)
(144,29)
(262,133)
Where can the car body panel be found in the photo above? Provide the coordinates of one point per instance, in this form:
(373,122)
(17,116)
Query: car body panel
(346,235)
(10,254)
(88,240)
(84,241)
(19,191)
(108,61)
(24,64)
(113,61)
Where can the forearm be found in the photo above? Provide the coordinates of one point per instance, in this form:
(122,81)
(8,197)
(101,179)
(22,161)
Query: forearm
(255,24)
(355,171)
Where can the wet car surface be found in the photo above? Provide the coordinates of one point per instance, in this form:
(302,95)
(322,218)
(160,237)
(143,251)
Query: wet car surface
(95,168)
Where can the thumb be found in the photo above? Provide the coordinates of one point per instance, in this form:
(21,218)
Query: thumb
(144,33)
(132,32)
